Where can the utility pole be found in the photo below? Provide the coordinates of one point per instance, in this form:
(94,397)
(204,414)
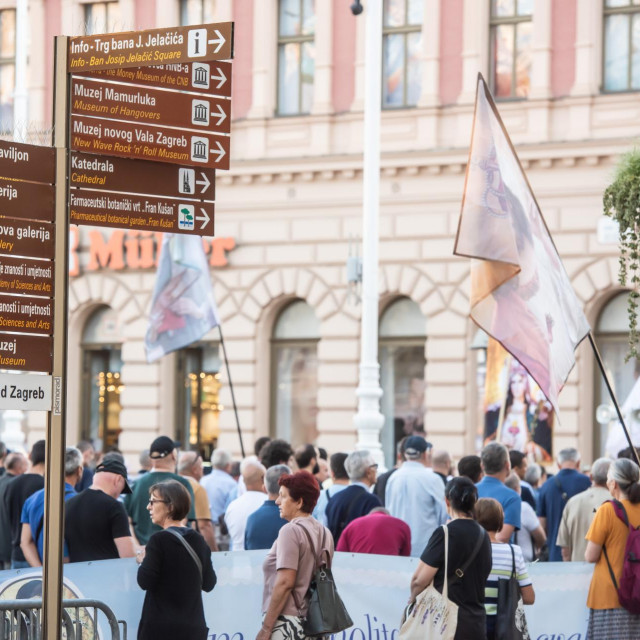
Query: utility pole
(369,420)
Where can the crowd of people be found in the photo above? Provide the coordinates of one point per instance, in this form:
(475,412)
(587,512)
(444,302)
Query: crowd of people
(501,512)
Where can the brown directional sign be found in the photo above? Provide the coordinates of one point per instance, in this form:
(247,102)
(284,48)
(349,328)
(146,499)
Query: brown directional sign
(27,162)
(147,142)
(26,353)
(145,213)
(210,78)
(90,171)
(153,47)
(26,200)
(154,106)
(22,275)
(26,238)
(26,314)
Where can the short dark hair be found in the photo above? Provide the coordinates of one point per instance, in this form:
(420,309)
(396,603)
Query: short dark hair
(305,453)
(276,452)
(628,453)
(37,455)
(337,466)
(461,494)
(302,486)
(113,455)
(175,495)
(260,442)
(322,452)
(84,445)
(516,458)
(489,514)
(471,467)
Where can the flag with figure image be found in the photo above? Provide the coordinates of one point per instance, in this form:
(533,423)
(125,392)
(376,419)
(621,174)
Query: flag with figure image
(520,293)
(183,308)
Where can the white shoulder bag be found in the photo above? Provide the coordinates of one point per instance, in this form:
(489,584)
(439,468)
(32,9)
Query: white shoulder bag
(432,616)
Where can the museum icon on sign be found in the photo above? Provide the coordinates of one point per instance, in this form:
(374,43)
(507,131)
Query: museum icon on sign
(199,149)
(200,112)
(200,75)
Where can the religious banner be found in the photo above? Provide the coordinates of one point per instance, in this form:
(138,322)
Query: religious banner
(520,293)
(516,411)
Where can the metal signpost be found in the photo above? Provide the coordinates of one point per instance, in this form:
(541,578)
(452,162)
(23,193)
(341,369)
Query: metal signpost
(139,133)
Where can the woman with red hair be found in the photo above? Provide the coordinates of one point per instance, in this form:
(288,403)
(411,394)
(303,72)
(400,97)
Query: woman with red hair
(291,563)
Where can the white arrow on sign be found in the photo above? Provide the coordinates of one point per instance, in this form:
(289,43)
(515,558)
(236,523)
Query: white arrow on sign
(220,40)
(204,217)
(221,115)
(220,77)
(205,181)
(221,153)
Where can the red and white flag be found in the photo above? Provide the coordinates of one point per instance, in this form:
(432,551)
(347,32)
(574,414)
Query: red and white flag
(520,293)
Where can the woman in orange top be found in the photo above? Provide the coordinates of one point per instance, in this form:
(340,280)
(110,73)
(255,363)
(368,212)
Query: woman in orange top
(607,619)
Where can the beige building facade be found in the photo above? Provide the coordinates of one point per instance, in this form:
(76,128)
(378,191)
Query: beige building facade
(289,215)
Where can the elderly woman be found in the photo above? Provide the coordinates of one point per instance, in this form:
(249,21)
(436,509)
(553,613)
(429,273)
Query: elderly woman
(170,574)
(290,565)
(468,545)
(607,619)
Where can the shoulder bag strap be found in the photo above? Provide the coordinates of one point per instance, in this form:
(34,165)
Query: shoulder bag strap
(189,548)
(461,571)
(313,551)
(621,513)
(326,493)
(513,562)
(563,493)
(445,588)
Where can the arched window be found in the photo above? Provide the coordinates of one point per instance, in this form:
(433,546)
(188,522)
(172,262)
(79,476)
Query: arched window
(612,337)
(294,367)
(101,383)
(198,398)
(402,341)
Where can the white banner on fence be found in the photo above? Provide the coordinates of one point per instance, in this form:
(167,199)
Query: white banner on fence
(375,590)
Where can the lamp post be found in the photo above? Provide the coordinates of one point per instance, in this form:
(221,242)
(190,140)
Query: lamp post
(368,420)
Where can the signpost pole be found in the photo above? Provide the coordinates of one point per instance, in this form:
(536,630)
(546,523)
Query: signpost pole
(54,475)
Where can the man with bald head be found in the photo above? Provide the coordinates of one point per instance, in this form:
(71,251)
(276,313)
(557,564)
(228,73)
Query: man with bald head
(241,508)
(190,467)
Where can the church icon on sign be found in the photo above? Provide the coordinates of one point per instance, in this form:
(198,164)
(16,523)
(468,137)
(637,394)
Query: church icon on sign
(199,112)
(200,74)
(199,149)
(187,180)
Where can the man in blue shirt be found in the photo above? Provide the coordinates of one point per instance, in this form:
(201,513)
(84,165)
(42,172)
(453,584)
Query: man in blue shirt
(497,467)
(356,500)
(32,535)
(415,494)
(555,493)
(264,524)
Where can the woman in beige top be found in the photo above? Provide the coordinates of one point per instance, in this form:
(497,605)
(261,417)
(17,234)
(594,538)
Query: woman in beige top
(290,565)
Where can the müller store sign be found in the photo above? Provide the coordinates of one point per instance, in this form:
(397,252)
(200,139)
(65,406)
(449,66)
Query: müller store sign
(118,250)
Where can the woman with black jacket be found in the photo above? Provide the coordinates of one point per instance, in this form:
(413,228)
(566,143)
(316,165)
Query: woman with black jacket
(175,568)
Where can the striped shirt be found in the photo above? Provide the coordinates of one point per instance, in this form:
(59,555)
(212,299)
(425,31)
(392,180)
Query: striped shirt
(501,570)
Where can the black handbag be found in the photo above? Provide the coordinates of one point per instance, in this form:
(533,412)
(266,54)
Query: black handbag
(326,613)
(510,621)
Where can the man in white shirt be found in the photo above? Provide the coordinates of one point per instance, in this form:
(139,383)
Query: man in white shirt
(415,494)
(242,507)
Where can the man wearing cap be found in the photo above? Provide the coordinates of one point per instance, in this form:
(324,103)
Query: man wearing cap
(32,537)
(164,456)
(96,526)
(415,494)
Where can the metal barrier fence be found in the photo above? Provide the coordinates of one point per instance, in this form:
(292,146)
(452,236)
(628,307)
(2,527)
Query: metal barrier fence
(21,620)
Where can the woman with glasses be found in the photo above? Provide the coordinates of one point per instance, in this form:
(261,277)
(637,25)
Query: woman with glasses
(174,570)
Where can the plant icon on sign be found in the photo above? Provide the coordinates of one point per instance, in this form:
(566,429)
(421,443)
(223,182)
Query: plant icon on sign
(186,216)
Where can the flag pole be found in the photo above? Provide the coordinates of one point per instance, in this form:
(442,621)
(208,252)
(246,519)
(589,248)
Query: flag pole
(233,395)
(613,398)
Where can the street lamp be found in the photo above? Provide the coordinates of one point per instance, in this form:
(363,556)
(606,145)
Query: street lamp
(368,420)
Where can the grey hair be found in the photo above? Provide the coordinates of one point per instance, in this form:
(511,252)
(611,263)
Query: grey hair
(600,470)
(186,460)
(72,460)
(570,454)
(494,456)
(357,464)
(273,475)
(220,459)
(513,482)
(533,473)
(625,472)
